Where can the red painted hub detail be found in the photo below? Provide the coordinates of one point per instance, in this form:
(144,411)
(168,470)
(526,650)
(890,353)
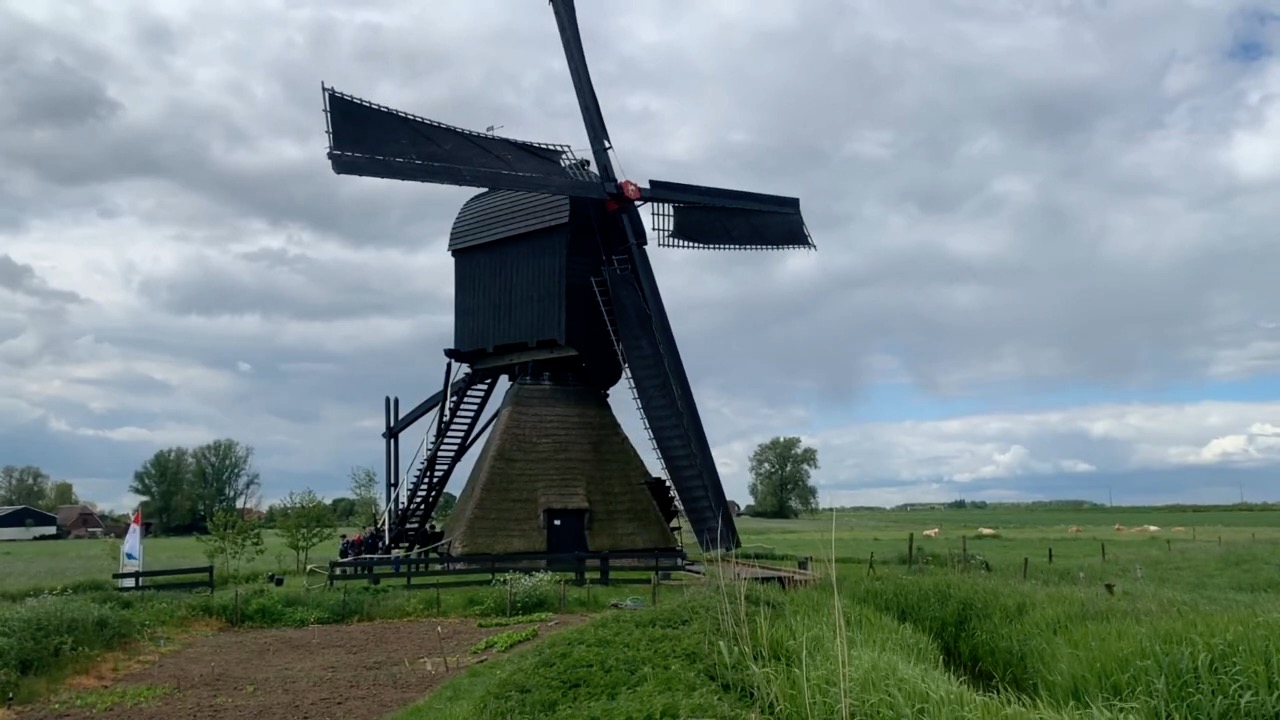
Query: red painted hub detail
(630,189)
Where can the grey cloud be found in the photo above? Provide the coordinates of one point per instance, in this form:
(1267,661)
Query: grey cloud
(22,279)
(277,283)
(53,93)
(261,152)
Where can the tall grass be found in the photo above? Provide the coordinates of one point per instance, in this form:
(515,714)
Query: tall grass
(945,645)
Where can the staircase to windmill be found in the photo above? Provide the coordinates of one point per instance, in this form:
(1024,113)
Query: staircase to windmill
(665,425)
(454,434)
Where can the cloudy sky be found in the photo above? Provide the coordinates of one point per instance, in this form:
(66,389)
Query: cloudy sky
(1046,230)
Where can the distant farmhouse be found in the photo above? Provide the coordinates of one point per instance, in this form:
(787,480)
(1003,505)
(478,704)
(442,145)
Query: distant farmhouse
(23,522)
(80,521)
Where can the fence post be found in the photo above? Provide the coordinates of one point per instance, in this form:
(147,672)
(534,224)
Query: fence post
(1219,541)
(654,582)
(911,550)
(964,549)
(871,564)
(1168,544)
(1050,556)
(1025,560)
(1104,552)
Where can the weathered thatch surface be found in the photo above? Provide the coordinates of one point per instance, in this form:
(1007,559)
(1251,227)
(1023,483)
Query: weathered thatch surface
(556,447)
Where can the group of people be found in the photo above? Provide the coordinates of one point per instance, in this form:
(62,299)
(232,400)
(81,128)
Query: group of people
(371,543)
(363,544)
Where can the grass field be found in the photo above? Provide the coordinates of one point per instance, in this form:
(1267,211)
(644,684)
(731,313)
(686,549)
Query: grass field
(1214,549)
(1188,628)
(850,539)
(1195,636)
(49,564)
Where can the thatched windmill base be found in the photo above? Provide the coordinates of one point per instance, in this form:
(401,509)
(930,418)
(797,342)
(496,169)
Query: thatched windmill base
(558,475)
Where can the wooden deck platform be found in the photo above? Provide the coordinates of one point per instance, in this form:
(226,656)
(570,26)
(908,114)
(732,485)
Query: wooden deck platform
(753,572)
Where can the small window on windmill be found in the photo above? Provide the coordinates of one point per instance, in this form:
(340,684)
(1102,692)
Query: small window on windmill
(556,521)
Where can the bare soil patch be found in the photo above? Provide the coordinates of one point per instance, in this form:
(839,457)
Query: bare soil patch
(347,672)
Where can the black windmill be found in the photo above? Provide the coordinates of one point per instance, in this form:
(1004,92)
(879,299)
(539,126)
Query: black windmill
(555,291)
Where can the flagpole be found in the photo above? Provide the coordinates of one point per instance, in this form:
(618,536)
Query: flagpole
(131,550)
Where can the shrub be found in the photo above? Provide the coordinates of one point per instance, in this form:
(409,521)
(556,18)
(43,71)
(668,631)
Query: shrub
(44,633)
(526,594)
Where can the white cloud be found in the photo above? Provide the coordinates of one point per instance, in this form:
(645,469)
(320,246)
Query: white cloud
(949,456)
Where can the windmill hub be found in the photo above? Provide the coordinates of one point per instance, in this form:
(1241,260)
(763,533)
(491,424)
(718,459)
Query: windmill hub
(554,291)
(630,189)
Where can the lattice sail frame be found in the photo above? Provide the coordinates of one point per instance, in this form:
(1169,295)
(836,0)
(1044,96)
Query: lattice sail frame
(663,216)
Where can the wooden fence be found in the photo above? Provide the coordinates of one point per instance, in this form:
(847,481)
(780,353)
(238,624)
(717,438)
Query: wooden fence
(137,577)
(434,569)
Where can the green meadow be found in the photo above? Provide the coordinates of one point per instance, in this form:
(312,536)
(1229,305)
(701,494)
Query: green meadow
(48,564)
(1171,624)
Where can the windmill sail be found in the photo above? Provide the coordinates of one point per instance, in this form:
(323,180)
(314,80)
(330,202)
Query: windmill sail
(668,406)
(370,140)
(697,216)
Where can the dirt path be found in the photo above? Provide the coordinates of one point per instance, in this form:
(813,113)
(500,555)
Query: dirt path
(355,672)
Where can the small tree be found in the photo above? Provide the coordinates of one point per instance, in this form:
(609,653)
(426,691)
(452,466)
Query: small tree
(364,490)
(780,472)
(232,540)
(305,520)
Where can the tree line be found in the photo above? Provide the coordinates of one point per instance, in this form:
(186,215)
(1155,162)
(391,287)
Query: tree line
(29,485)
(214,490)
(185,488)
(303,519)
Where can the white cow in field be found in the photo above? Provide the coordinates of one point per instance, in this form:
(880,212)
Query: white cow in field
(1074,529)
(1179,529)
(1146,528)
(1120,528)
(932,532)
(987,532)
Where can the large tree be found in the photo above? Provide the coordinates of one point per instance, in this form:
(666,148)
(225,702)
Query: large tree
(165,481)
(26,485)
(223,477)
(364,491)
(62,493)
(344,510)
(780,478)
